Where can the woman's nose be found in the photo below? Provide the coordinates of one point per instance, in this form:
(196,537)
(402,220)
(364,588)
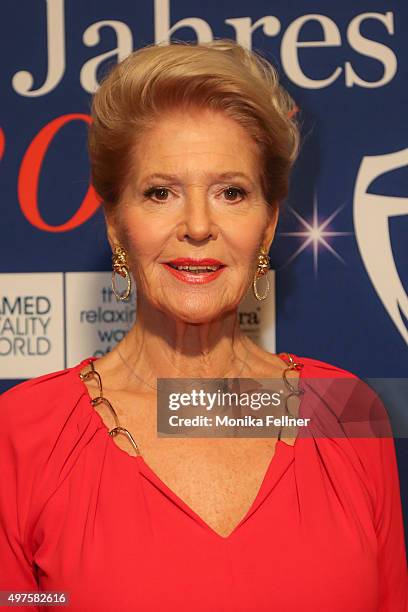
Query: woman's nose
(197,223)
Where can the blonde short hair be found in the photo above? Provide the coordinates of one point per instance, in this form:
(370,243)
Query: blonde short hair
(220,75)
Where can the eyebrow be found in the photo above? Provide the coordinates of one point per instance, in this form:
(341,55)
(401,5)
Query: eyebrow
(173,177)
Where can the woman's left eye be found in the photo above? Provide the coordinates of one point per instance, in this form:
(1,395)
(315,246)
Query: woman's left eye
(233,190)
(162,191)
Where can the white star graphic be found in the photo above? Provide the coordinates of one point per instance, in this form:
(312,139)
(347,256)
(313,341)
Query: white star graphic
(315,234)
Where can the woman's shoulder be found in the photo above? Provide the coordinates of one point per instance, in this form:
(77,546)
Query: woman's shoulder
(33,400)
(45,425)
(340,393)
(344,408)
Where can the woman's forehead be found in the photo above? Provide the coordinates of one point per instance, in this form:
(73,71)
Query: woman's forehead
(199,151)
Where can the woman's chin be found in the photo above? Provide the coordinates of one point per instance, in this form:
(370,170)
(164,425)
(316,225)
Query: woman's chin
(196,314)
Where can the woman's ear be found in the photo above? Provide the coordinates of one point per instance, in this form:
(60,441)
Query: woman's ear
(110,229)
(271,227)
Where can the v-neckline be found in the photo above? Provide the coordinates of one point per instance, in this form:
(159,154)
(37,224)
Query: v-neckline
(281,459)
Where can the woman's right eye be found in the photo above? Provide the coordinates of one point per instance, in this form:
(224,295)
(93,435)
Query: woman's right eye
(162,191)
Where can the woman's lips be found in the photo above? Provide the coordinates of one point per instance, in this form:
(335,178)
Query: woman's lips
(194,278)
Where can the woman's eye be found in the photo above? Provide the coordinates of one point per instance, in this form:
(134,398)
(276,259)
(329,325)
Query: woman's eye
(235,190)
(161,191)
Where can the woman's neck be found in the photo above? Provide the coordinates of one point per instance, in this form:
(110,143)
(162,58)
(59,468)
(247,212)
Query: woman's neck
(159,346)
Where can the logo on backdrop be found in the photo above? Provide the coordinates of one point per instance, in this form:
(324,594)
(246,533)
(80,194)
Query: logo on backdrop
(371,221)
(31,324)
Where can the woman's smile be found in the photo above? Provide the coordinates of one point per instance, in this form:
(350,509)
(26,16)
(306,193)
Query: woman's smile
(195,271)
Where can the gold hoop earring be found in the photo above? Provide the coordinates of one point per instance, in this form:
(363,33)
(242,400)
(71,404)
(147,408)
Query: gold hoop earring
(263,266)
(120,266)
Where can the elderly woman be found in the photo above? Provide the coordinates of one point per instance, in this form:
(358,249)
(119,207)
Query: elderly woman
(191,148)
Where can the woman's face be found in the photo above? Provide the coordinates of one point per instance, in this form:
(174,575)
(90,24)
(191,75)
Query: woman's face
(195,193)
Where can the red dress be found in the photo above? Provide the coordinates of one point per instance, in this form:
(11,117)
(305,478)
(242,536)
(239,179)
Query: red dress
(78,514)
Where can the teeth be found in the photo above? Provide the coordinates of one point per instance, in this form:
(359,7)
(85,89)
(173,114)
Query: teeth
(196,268)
